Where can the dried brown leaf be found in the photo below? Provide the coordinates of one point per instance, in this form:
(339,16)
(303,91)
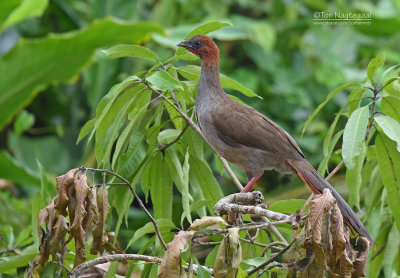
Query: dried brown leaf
(91,208)
(229,255)
(345,266)
(62,184)
(318,207)
(81,190)
(360,264)
(45,215)
(206,221)
(171,265)
(58,233)
(100,237)
(338,238)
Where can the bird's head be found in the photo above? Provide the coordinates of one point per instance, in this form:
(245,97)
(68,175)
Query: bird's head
(202,46)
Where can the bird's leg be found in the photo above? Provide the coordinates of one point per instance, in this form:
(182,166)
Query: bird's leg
(250,184)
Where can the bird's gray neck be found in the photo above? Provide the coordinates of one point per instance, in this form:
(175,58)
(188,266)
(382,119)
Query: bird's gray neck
(210,88)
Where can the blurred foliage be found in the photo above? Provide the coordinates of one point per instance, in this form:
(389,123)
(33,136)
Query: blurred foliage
(53,76)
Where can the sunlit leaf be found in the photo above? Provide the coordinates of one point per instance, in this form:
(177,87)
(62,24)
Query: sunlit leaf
(391,107)
(354,179)
(354,134)
(373,66)
(164,81)
(131,50)
(390,127)
(26,9)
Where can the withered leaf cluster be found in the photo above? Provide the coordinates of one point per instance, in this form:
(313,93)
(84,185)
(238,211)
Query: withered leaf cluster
(324,246)
(74,211)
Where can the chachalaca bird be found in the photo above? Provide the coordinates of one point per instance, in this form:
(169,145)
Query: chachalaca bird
(249,139)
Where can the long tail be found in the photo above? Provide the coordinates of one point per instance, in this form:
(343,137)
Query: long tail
(317,184)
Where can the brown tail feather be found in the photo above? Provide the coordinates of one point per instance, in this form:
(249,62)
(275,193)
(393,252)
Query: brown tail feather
(317,184)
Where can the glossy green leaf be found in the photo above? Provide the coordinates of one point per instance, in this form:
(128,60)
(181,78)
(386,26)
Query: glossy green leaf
(207,28)
(287,206)
(192,72)
(163,224)
(57,58)
(374,65)
(389,165)
(164,81)
(168,135)
(26,9)
(328,98)
(354,179)
(391,107)
(390,127)
(209,185)
(14,171)
(353,136)
(131,50)
(23,122)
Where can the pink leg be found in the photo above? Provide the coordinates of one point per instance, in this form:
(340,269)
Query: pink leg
(250,184)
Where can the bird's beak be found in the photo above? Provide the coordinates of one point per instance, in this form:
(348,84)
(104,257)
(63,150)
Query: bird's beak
(185,44)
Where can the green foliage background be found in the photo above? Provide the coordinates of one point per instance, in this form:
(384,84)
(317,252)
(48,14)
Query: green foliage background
(54,75)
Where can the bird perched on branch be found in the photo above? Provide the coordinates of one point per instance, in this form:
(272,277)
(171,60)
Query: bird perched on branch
(249,139)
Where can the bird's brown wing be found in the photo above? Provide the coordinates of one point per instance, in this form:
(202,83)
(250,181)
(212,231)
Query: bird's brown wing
(243,125)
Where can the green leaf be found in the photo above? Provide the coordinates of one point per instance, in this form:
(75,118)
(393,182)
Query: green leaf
(57,58)
(354,179)
(168,135)
(123,50)
(355,99)
(27,9)
(209,185)
(374,64)
(391,107)
(185,189)
(164,81)
(192,72)
(108,127)
(207,28)
(391,252)
(123,201)
(112,270)
(14,262)
(163,224)
(390,127)
(328,98)
(353,136)
(85,130)
(287,206)
(389,166)
(23,122)
(161,188)
(14,171)
(324,163)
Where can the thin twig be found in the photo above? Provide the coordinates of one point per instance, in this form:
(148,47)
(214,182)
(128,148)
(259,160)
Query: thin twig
(269,246)
(110,258)
(270,260)
(174,141)
(137,199)
(268,268)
